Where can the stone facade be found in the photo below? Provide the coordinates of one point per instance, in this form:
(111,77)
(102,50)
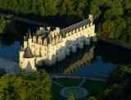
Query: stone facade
(54,45)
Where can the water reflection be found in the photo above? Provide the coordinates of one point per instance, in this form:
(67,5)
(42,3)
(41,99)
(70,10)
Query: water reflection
(72,62)
(10,52)
(82,62)
(112,53)
(9,58)
(96,60)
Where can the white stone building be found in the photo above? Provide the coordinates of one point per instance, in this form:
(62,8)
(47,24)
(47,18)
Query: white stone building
(54,45)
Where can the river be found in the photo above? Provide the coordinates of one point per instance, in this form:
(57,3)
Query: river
(96,60)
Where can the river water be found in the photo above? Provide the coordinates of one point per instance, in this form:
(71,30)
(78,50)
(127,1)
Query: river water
(96,60)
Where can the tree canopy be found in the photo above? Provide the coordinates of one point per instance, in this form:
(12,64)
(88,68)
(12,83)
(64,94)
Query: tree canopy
(119,88)
(112,17)
(3,24)
(33,86)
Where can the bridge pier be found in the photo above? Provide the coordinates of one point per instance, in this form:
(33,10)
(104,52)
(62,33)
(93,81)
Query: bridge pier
(87,41)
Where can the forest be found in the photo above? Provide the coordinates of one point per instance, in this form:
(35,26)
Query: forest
(112,17)
(113,22)
(119,87)
(30,86)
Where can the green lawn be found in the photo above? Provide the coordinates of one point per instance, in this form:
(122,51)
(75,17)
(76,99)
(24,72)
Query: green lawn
(69,82)
(56,92)
(93,87)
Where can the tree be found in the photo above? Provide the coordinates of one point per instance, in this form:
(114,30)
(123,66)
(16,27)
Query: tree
(71,97)
(34,86)
(127,4)
(120,26)
(92,98)
(68,7)
(107,29)
(115,11)
(3,24)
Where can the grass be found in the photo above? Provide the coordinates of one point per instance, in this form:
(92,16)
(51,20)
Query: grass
(93,87)
(56,92)
(69,82)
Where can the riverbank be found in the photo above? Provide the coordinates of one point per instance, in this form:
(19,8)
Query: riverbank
(116,42)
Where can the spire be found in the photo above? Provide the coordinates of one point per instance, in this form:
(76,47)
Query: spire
(30,35)
(25,38)
(21,48)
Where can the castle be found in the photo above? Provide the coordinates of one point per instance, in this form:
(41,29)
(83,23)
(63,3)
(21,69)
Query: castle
(54,45)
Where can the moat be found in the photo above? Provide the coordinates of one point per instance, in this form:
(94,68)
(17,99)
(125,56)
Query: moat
(96,60)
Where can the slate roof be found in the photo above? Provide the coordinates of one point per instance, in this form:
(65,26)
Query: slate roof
(74,26)
(64,30)
(28,53)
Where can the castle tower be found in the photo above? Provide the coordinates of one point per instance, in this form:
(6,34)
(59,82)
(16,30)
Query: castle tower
(40,40)
(25,42)
(21,53)
(30,39)
(27,60)
(34,39)
(91,28)
(90,19)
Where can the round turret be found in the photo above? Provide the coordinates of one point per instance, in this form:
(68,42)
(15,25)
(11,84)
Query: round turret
(34,39)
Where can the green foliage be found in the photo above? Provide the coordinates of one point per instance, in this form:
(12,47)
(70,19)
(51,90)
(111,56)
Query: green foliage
(115,10)
(127,4)
(120,26)
(119,87)
(92,98)
(71,97)
(38,7)
(34,86)
(3,24)
(107,28)
(112,17)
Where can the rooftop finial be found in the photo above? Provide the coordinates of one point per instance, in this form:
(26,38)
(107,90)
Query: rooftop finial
(29,34)
(48,28)
(90,19)
(24,38)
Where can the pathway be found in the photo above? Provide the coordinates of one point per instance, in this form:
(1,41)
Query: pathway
(82,82)
(57,76)
(26,20)
(57,83)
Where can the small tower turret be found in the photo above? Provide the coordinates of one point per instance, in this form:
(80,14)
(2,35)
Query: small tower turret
(29,39)
(26,58)
(40,40)
(21,53)
(90,19)
(25,42)
(34,39)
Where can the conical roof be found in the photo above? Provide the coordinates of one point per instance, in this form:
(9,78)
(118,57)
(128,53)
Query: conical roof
(28,53)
